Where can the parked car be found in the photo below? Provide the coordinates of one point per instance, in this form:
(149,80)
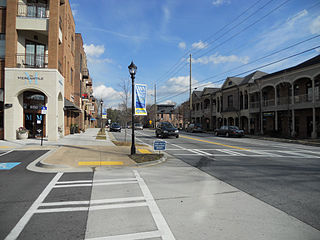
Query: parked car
(194,127)
(229,131)
(166,129)
(138,126)
(115,127)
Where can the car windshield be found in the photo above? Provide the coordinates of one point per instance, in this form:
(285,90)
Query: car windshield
(138,124)
(198,125)
(115,125)
(234,128)
(168,125)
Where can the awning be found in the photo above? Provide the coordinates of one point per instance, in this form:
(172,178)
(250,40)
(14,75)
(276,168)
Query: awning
(70,106)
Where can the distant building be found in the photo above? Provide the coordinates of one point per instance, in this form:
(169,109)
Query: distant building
(284,103)
(168,113)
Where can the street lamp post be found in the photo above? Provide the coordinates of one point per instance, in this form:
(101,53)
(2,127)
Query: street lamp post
(101,103)
(132,70)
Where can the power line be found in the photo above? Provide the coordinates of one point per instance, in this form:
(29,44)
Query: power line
(245,72)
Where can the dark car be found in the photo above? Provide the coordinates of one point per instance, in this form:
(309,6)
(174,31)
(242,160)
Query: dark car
(194,127)
(166,129)
(229,131)
(115,127)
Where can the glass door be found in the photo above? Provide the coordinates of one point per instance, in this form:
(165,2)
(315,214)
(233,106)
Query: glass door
(40,56)
(30,52)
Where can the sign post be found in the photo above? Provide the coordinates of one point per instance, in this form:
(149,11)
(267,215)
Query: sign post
(159,145)
(44,112)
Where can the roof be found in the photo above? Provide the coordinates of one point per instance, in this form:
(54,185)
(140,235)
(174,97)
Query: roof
(233,80)
(252,76)
(70,106)
(197,93)
(209,90)
(313,61)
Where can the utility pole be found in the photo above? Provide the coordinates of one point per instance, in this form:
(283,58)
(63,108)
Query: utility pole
(190,93)
(155,105)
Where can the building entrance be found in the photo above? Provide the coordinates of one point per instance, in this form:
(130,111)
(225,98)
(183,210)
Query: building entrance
(34,121)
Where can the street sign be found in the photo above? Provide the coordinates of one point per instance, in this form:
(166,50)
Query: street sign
(44,110)
(159,145)
(104,116)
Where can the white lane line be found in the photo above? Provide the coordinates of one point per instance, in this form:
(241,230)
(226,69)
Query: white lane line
(299,154)
(6,152)
(99,180)
(15,232)
(189,150)
(232,153)
(154,209)
(94,184)
(265,153)
(130,236)
(92,208)
(189,154)
(99,201)
(202,152)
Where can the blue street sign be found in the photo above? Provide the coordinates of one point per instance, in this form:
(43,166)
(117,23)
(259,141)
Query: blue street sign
(159,145)
(9,165)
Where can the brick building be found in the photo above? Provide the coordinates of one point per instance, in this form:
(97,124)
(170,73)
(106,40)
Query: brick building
(39,68)
(284,103)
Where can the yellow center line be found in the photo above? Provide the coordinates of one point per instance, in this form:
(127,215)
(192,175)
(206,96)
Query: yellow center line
(100,163)
(220,144)
(4,147)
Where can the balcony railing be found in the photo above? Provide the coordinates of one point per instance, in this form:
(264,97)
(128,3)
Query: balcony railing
(33,10)
(254,104)
(268,103)
(30,60)
(284,100)
(304,98)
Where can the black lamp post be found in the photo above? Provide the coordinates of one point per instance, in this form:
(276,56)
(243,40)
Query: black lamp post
(132,70)
(101,103)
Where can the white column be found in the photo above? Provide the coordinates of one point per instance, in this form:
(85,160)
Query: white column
(314,125)
(293,131)
(261,114)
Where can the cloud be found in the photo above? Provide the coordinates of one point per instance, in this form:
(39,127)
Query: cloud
(109,95)
(296,17)
(99,60)
(182,45)
(218,59)
(315,26)
(220,2)
(94,50)
(169,102)
(199,45)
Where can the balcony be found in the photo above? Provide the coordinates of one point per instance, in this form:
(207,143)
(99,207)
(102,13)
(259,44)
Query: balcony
(32,17)
(304,98)
(230,109)
(284,101)
(85,73)
(25,60)
(268,103)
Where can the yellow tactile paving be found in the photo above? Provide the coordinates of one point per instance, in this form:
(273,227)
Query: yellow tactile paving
(220,144)
(144,151)
(100,163)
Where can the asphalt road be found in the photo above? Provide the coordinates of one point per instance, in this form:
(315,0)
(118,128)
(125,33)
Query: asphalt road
(286,176)
(19,190)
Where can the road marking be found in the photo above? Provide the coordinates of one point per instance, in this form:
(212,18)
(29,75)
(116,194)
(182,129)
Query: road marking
(92,208)
(94,184)
(98,201)
(99,180)
(220,144)
(5,147)
(233,153)
(6,153)
(144,151)
(15,232)
(299,154)
(202,152)
(131,236)
(100,163)
(155,211)
(8,165)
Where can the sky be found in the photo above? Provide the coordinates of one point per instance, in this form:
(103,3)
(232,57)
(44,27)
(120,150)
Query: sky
(225,37)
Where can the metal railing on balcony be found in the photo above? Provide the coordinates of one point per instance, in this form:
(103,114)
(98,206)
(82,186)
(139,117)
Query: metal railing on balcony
(304,98)
(284,100)
(28,60)
(268,103)
(254,104)
(33,10)
(230,109)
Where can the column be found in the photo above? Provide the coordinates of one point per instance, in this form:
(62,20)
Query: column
(261,114)
(53,36)
(293,131)
(275,111)
(314,125)
(276,120)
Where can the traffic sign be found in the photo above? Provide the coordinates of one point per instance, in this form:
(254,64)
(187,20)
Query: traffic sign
(159,145)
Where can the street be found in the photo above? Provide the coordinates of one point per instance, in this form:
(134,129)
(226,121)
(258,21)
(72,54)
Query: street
(283,175)
(209,188)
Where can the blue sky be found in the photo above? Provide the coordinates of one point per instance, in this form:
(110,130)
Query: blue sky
(158,36)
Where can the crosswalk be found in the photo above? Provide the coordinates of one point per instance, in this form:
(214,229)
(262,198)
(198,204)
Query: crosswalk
(224,152)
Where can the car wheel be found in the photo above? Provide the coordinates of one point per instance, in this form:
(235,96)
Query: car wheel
(177,136)
(227,134)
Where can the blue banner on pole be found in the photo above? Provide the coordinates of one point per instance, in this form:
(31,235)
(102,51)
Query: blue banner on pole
(141,96)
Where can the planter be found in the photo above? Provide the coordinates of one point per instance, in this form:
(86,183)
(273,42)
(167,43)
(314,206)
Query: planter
(22,135)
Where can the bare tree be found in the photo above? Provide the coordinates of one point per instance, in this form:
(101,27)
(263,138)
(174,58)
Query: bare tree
(125,89)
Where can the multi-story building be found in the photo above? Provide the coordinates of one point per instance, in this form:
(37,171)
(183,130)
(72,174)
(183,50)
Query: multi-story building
(39,68)
(284,103)
(168,113)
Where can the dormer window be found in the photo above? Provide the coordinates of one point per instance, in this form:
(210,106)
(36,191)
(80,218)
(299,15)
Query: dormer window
(230,83)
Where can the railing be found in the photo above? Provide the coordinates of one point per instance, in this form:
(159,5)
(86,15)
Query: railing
(254,104)
(284,100)
(268,103)
(304,98)
(230,109)
(318,98)
(29,60)
(33,10)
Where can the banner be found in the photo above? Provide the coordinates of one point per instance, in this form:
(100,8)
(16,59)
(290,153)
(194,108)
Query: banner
(141,96)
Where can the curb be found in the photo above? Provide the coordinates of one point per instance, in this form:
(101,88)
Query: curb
(152,163)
